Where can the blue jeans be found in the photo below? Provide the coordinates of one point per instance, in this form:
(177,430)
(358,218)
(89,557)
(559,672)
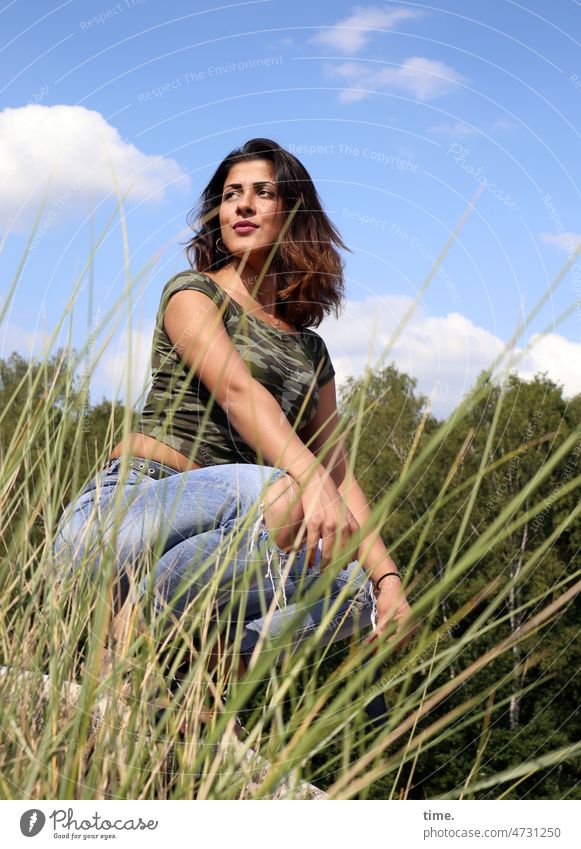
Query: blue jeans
(203,525)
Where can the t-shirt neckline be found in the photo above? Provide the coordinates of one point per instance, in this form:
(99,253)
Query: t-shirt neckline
(251,315)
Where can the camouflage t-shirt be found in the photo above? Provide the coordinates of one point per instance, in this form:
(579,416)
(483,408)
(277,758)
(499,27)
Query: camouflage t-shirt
(179,410)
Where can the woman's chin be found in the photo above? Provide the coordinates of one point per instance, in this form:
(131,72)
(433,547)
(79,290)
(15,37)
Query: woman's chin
(255,256)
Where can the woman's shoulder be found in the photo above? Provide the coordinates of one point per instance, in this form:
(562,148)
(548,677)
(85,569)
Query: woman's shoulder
(196,280)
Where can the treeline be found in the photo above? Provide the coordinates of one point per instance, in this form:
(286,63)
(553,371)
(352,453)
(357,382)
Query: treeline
(509,437)
(65,449)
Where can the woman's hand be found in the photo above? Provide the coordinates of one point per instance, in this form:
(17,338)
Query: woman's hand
(326,517)
(392,606)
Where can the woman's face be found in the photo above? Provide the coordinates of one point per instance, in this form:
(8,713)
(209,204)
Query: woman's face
(250,197)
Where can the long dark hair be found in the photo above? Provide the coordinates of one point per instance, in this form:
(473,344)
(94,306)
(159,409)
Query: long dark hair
(307,265)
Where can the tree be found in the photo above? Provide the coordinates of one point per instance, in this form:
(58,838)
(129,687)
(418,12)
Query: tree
(537,678)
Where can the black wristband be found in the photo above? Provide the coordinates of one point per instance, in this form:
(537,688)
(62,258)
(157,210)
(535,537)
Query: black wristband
(385,576)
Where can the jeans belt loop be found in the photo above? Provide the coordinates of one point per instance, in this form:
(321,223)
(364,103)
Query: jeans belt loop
(110,465)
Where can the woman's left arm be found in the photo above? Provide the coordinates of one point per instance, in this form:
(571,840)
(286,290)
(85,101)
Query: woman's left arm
(372,554)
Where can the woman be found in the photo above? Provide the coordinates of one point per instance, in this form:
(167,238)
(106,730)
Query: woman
(240,414)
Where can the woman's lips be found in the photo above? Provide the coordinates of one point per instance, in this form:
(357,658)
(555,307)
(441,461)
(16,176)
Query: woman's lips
(245,228)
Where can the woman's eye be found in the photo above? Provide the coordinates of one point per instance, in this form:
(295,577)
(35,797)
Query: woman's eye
(261,192)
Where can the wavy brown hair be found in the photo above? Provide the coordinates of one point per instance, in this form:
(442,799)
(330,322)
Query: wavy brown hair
(307,264)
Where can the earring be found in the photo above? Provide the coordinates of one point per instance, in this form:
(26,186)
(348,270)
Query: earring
(223,249)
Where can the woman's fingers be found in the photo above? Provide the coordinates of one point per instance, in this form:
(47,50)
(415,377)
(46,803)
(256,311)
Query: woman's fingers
(340,528)
(403,633)
(327,518)
(335,539)
(313,537)
(328,536)
(350,528)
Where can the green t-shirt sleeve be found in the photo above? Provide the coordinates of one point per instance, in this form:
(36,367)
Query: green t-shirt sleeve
(320,358)
(188,280)
(191,280)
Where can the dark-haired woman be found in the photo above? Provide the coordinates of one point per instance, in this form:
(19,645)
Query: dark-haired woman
(240,416)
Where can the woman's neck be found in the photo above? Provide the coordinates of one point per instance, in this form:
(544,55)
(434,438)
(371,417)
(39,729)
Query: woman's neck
(247,283)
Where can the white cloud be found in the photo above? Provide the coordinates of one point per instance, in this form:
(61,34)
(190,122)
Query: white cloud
(78,150)
(352,33)
(567,242)
(425,79)
(453,128)
(504,124)
(27,342)
(108,368)
(559,357)
(110,376)
(445,353)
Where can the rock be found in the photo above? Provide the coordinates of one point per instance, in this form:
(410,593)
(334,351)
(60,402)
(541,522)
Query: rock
(248,761)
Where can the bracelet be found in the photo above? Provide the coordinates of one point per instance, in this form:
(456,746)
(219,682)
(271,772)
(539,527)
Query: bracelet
(385,576)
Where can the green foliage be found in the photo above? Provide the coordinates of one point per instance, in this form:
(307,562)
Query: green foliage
(537,681)
(83,434)
(515,708)
(491,683)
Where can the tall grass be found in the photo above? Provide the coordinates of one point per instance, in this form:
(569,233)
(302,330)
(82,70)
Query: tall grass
(303,703)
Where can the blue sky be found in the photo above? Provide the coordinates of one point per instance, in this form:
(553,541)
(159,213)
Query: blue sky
(400,112)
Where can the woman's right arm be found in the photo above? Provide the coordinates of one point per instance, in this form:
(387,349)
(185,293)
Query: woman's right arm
(194,326)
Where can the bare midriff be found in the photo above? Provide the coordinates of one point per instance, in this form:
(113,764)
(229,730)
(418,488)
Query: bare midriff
(141,445)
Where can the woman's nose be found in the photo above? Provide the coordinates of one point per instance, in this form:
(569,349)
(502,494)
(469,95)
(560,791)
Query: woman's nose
(245,201)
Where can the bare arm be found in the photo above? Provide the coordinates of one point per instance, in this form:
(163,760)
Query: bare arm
(206,348)
(322,436)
